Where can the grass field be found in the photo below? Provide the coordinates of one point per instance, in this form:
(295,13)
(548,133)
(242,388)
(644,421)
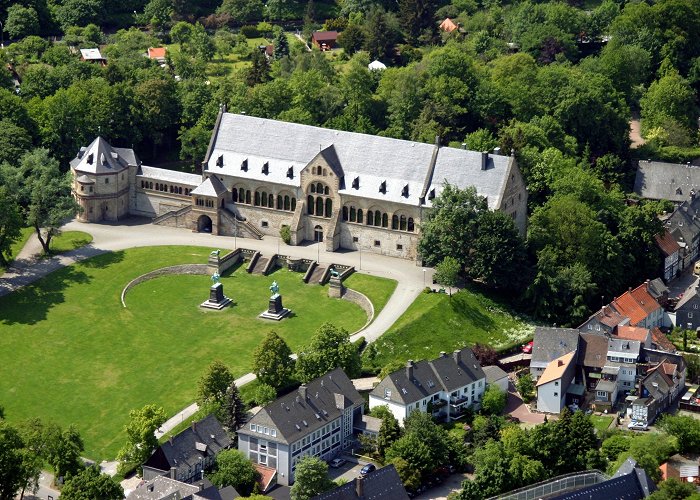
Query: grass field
(69,240)
(435,322)
(70,353)
(601,422)
(377,290)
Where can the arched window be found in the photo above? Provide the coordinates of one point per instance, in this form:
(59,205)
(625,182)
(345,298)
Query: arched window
(319,188)
(353,214)
(286,202)
(294,204)
(326,191)
(394,222)
(313,170)
(345,214)
(271,200)
(234,195)
(403,223)
(319,206)
(385,220)
(370,218)
(310,203)
(359,216)
(329,207)
(411,226)
(241,195)
(263,199)
(313,188)
(179,190)
(247,196)
(150,185)
(377,217)
(256,200)
(280,203)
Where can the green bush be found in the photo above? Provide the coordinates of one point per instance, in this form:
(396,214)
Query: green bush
(250,31)
(286,234)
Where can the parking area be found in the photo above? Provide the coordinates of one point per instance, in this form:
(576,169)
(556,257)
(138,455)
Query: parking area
(348,471)
(452,484)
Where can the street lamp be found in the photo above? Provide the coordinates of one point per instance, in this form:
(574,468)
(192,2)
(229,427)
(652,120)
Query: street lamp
(2,38)
(424,270)
(318,252)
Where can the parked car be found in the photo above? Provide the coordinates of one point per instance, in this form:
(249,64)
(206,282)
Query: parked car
(367,469)
(637,426)
(337,462)
(527,348)
(573,407)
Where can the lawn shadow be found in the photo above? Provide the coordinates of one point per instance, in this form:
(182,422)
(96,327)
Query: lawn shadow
(103,260)
(460,305)
(32,303)
(233,269)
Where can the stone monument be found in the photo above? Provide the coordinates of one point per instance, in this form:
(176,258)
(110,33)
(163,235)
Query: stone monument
(335,285)
(217,300)
(275,309)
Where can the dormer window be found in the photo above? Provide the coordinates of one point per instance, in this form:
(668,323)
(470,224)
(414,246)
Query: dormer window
(244,165)
(431,194)
(356,183)
(290,172)
(266,168)
(382,187)
(90,158)
(220,161)
(404,192)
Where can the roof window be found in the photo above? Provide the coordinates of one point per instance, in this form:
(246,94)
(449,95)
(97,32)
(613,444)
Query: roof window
(266,168)
(244,165)
(382,187)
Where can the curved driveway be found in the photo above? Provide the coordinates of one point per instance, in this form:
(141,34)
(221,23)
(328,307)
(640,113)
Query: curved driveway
(138,232)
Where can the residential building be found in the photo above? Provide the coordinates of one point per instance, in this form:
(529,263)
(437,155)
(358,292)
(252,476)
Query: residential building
(688,309)
(630,482)
(347,190)
(550,344)
(619,372)
(324,40)
(658,289)
(157,54)
(316,420)
(164,488)
(186,456)
(636,333)
(606,320)
(554,382)
(593,353)
(640,307)
(656,180)
(660,342)
(93,55)
(670,249)
(448,25)
(382,484)
(684,226)
(444,387)
(660,385)
(496,376)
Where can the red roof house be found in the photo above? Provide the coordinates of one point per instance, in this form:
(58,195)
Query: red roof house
(448,25)
(324,40)
(640,307)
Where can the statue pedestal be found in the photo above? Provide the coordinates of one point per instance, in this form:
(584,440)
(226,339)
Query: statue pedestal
(275,310)
(335,288)
(217,300)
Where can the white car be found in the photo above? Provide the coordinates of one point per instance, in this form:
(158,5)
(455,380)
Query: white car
(337,462)
(637,426)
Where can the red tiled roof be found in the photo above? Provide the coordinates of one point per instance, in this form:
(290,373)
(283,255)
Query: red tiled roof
(156,52)
(636,304)
(632,333)
(324,36)
(609,317)
(267,474)
(660,339)
(669,368)
(667,243)
(448,25)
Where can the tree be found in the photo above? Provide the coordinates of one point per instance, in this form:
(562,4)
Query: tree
(486,354)
(234,469)
(352,39)
(525,386)
(63,449)
(389,433)
(669,100)
(310,478)
(214,384)
(10,224)
(417,18)
(686,429)
(494,400)
(447,272)
(414,451)
(272,363)
(259,72)
(91,483)
(46,195)
(234,409)
(158,13)
(265,394)
(155,104)
(380,35)
(242,11)
(330,348)
(674,489)
(79,13)
(21,21)
(141,440)
(12,474)
(281,43)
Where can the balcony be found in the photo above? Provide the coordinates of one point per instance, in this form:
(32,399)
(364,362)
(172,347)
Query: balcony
(456,401)
(438,404)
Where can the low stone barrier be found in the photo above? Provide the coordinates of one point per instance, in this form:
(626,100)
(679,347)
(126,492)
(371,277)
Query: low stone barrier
(200,269)
(361,300)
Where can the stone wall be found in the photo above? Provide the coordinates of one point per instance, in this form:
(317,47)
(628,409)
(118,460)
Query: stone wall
(198,269)
(361,300)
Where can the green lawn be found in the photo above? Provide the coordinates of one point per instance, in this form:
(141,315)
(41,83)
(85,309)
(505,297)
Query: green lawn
(377,290)
(601,422)
(69,240)
(435,323)
(70,353)
(17,246)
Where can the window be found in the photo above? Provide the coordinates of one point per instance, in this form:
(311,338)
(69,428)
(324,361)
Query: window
(106,180)
(399,247)
(556,394)
(597,328)
(695,306)
(590,327)
(556,383)
(387,393)
(355,239)
(417,405)
(264,223)
(690,315)
(377,243)
(273,432)
(252,427)
(82,188)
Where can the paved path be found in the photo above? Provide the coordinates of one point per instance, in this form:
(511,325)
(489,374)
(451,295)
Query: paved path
(138,232)
(636,132)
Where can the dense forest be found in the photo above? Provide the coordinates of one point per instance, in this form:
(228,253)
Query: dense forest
(556,83)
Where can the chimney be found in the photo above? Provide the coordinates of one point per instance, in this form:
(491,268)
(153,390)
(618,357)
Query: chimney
(457,355)
(484,159)
(302,391)
(194,426)
(409,369)
(560,362)
(464,145)
(437,140)
(443,354)
(173,472)
(170,440)
(360,487)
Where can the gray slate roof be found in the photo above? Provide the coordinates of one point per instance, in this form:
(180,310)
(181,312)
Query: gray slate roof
(494,373)
(630,482)
(162,487)
(295,416)
(212,187)
(163,174)
(101,158)
(552,343)
(690,294)
(629,348)
(372,159)
(430,377)
(382,484)
(666,181)
(684,222)
(182,450)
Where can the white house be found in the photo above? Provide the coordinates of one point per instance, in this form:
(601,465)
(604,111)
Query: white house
(554,382)
(444,387)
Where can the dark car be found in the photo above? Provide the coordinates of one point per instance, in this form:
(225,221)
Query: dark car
(367,469)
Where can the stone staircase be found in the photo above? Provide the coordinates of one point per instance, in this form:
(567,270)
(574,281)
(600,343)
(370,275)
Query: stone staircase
(317,275)
(173,213)
(260,265)
(246,227)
